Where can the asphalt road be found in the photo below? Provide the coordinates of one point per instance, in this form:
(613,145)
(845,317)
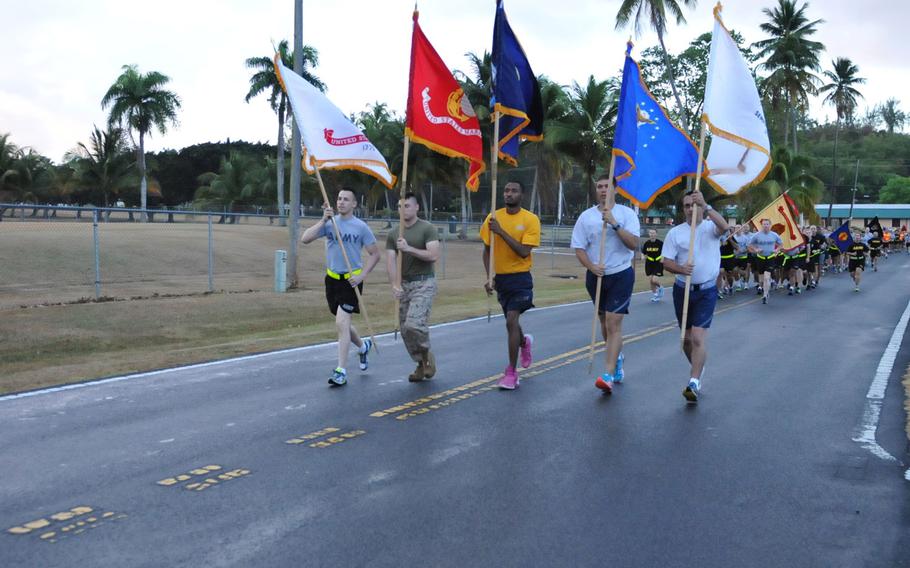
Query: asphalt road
(257,462)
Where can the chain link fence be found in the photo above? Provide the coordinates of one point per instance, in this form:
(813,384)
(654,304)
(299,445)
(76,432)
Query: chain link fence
(54,254)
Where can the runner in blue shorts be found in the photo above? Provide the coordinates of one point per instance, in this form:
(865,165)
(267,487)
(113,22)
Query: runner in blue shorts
(704,269)
(615,268)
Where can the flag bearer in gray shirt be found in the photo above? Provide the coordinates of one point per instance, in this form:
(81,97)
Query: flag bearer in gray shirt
(339,282)
(704,269)
(419,250)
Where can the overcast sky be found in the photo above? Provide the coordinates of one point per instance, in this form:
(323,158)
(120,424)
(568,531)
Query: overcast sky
(59,57)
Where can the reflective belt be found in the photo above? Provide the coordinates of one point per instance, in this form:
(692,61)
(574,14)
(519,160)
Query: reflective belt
(727,256)
(766,257)
(653,259)
(800,255)
(345,275)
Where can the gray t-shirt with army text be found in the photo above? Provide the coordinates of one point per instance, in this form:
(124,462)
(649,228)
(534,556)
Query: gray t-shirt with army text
(765,242)
(355,234)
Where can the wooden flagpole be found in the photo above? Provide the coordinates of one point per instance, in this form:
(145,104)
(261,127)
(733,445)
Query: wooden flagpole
(603,246)
(494,159)
(685,310)
(402,191)
(347,261)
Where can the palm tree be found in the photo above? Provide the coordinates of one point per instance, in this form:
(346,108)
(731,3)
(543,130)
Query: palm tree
(104,165)
(589,124)
(266,80)
(892,116)
(791,58)
(553,165)
(9,152)
(656,11)
(236,182)
(842,95)
(140,102)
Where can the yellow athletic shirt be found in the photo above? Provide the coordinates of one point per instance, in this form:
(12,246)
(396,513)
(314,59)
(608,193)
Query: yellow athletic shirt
(524,227)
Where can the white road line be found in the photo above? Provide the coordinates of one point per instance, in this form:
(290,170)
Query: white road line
(245,358)
(865,432)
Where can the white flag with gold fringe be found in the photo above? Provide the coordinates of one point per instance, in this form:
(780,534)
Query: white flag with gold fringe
(330,139)
(740,153)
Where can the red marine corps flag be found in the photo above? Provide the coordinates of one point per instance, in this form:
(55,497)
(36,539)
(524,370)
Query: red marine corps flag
(439,115)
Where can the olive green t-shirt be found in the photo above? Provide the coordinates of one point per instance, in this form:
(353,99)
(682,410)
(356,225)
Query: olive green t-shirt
(417,235)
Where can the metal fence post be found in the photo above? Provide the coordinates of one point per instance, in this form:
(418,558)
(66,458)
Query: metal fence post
(97,248)
(211,257)
(553,246)
(444,252)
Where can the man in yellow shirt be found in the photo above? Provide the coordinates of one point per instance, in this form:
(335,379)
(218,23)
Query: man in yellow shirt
(517,232)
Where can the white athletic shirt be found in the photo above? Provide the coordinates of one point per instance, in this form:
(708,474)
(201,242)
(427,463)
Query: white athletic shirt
(707,250)
(586,235)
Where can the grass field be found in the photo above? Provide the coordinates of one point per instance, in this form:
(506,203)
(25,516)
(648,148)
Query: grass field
(172,322)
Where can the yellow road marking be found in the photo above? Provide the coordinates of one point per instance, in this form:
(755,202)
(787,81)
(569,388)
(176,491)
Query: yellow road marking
(312,435)
(328,442)
(56,531)
(452,395)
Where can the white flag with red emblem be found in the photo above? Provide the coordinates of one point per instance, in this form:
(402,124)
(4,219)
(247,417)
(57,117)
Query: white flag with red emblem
(330,139)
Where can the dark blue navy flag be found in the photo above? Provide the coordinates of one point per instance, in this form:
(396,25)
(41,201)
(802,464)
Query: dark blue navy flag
(842,237)
(516,94)
(652,154)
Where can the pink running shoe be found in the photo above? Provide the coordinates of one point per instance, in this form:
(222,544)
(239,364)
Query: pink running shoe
(509,379)
(526,358)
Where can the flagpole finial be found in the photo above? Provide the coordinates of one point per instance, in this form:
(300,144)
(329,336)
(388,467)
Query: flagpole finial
(718,9)
(416,14)
(629,46)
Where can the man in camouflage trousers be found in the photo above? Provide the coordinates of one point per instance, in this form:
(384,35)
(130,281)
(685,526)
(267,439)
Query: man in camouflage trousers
(419,248)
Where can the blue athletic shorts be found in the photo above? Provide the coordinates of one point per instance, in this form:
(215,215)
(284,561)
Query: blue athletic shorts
(515,292)
(701,306)
(615,291)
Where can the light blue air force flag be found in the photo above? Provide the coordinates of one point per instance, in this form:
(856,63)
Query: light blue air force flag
(651,153)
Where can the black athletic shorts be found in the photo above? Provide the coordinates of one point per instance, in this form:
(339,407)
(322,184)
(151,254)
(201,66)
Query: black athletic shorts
(764,264)
(340,294)
(875,253)
(742,262)
(854,264)
(795,263)
(812,261)
(654,268)
(728,264)
(515,291)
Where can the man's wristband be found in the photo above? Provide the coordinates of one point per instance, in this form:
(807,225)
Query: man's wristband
(616,226)
(708,208)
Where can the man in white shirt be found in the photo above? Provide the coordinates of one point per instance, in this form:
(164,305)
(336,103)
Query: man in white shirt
(615,268)
(704,268)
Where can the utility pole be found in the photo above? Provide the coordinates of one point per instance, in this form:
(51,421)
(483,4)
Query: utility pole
(855,181)
(294,221)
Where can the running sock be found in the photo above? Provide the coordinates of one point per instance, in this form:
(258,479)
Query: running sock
(363,348)
(341,370)
(696,381)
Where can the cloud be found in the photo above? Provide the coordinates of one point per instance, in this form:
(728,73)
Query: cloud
(66,54)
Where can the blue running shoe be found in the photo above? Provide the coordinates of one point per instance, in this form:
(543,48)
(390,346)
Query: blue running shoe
(619,375)
(367,345)
(691,392)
